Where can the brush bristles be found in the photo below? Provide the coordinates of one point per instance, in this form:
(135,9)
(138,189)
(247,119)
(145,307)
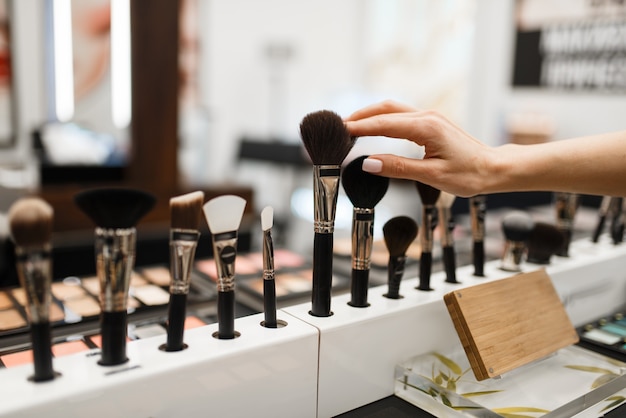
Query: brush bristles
(30,222)
(399,233)
(543,242)
(363,189)
(325,137)
(186,211)
(267,218)
(428,194)
(114,208)
(517,226)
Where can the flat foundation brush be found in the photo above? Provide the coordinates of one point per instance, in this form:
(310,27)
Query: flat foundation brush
(30,224)
(116,212)
(364,190)
(269,282)
(516,226)
(429,196)
(223,215)
(328,142)
(185,216)
(446,223)
(399,233)
(478,211)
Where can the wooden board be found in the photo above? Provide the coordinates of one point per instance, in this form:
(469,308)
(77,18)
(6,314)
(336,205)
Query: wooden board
(511,322)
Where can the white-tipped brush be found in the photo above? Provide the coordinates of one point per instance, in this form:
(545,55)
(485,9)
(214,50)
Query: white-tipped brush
(223,215)
(269,283)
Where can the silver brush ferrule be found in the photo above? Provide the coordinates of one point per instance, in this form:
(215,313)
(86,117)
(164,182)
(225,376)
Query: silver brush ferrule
(429,214)
(447,226)
(115,260)
(362,238)
(34,269)
(225,252)
(325,192)
(477,215)
(268,255)
(513,256)
(183,243)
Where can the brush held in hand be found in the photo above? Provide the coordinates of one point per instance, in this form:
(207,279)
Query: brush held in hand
(185,216)
(429,196)
(327,142)
(364,190)
(399,233)
(30,224)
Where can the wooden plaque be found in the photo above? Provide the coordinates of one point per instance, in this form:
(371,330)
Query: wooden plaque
(511,322)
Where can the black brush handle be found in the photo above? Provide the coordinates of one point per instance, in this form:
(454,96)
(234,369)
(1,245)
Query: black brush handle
(426,263)
(269,303)
(176,314)
(449,263)
(358,288)
(395,271)
(113,328)
(322,274)
(563,251)
(42,353)
(599,228)
(226,315)
(478,256)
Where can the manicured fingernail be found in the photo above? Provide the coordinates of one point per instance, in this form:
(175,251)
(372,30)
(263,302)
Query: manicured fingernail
(372,165)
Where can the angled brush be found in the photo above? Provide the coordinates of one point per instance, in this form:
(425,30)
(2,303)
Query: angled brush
(327,142)
(364,190)
(566,205)
(446,223)
(516,226)
(269,283)
(399,233)
(543,242)
(429,196)
(30,224)
(185,216)
(115,211)
(478,211)
(223,215)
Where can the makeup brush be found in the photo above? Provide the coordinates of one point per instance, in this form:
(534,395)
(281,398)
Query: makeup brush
(446,223)
(617,220)
(566,205)
(30,223)
(185,216)
(543,242)
(327,142)
(269,283)
(399,233)
(516,226)
(478,211)
(116,212)
(364,190)
(429,196)
(603,211)
(223,215)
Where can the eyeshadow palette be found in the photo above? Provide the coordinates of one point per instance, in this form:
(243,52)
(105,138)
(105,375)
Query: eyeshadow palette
(606,335)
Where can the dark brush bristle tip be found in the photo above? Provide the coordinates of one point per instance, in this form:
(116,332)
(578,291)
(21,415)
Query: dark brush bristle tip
(428,194)
(517,226)
(114,208)
(325,137)
(399,233)
(543,242)
(363,189)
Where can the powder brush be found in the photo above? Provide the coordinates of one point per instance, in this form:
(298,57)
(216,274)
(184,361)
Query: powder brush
(269,282)
(364,190)
(185,217)
(30,224)
(478,212)
(446,223)
(543,242)
(328,142)
(223,215)
(116,212)
(399,233)
(516,226)
(428,196)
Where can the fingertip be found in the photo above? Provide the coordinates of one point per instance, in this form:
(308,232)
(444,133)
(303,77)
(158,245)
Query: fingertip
(372,165)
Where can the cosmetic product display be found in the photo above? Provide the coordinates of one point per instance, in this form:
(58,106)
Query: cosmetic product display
(364,190)
(566,205)
(185,216)
(446,224)
(327,142)
(544,241)
(429,196)
(223,215)
(603,211)
(399,233)
(115,211)
(516,226)
(478,210)
(30,223)
(269,277)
